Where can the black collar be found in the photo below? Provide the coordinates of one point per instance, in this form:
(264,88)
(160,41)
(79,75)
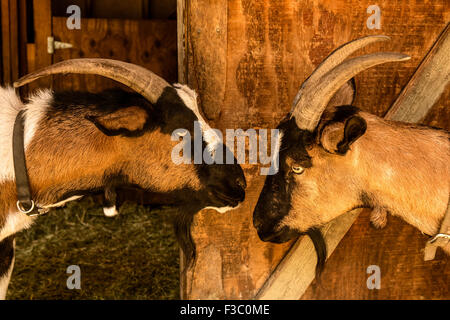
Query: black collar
(25,203)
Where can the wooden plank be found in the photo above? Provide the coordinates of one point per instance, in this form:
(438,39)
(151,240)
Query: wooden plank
(14,38)
(182,74)
(272,46)
(427,84)
(42,16)
(287,283)
(31,57)
(181,40)
(210,67)
(23,38)
(6,42)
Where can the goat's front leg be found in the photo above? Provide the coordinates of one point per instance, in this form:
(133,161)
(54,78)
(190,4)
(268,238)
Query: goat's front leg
(6,264)
(109,207)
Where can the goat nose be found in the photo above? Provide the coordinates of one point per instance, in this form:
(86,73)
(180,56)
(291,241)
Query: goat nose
(241,182)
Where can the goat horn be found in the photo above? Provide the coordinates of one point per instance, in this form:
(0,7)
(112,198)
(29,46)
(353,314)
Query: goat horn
(143,81)
(312,103)
(335,58)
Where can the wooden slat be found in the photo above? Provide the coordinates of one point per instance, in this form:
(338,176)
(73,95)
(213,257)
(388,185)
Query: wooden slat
(427,84)
(42,29)
(182,74)
(23,37)
(6,42)
(295,272)
(14,38)
(31,57)
(181,40)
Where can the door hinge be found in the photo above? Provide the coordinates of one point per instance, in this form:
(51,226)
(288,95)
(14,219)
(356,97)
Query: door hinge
(53,45)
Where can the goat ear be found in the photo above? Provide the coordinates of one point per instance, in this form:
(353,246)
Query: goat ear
(345,95)
(337,137)
(125,121)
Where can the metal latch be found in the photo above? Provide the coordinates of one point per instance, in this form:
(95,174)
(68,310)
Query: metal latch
(53,45)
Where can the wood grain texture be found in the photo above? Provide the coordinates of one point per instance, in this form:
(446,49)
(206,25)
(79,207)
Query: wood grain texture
(428,82)
(151,44)
(397,250)
(271,47)
(181,40)
(14,39)
(10,41)
(6,42)
(42,16)
(295,272)
(208,33)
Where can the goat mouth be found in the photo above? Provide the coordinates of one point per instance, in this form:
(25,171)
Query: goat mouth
(226,199)
(284,235)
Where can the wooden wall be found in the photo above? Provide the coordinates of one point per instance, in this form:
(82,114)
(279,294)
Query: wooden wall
(246,59)
(149,43)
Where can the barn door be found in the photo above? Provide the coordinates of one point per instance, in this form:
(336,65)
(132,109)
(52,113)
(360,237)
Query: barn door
(149,43)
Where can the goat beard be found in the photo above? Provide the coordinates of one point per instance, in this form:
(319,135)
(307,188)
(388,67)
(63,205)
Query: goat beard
(182,225)
(321,248)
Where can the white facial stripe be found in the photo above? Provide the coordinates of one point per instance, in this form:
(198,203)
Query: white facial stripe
(10,107)
(189,98)
(276,151)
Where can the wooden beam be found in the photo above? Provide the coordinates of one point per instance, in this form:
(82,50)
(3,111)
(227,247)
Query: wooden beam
(427,84)
(295,272)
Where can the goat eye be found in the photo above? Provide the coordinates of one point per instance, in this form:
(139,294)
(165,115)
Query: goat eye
(298,170)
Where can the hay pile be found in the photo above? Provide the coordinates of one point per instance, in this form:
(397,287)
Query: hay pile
(132,256)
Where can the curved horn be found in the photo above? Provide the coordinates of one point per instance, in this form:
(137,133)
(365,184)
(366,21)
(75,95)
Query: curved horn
(312,103)
(334,59)
(143,81)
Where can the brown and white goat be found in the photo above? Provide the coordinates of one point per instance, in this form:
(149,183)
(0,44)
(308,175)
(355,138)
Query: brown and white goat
(76,143)
(333,158)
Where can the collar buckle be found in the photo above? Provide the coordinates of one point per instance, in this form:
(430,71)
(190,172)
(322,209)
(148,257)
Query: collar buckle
(22,208)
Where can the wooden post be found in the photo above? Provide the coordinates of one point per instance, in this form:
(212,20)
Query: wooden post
(295,272)
(42,14)
(181,40)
